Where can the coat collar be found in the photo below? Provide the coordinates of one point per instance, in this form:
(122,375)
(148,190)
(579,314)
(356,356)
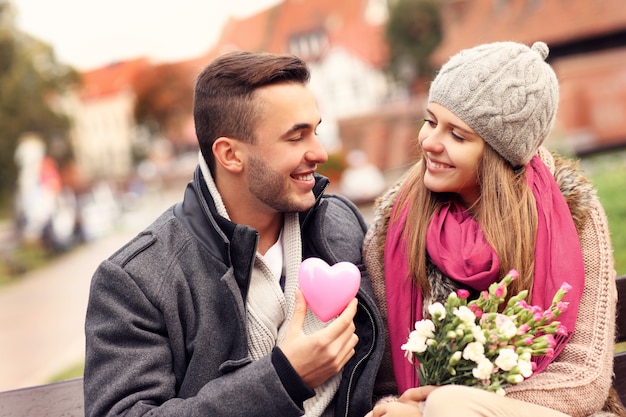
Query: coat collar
(217,234)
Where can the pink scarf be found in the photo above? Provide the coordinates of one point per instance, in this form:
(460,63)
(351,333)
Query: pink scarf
(458,248)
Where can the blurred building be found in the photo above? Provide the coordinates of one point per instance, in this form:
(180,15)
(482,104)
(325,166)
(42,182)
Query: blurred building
(587,41)
(387,135)
(103,123)
(343,42)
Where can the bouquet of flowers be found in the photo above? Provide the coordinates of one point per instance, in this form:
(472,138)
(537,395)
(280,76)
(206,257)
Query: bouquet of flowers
(479,344)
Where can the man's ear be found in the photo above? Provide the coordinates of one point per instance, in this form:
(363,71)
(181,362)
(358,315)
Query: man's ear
(228,154)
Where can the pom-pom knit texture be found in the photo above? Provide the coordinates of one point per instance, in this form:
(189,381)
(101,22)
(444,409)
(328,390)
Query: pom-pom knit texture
(505,91)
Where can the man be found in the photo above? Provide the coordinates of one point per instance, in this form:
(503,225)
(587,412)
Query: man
(200,313)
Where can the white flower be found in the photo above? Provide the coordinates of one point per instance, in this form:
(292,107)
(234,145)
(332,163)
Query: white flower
(483,370)
(437,311)
(425,328)
(479,342)
(505,326)
(420,337)
(474,351)
(525,355)
(525,367)
(479,335)
(507,359)
(465,314)
(416,343)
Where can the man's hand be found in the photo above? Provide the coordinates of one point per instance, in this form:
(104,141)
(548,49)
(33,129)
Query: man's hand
(323,354)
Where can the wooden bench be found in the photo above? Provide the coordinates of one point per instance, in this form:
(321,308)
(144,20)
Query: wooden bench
(619,364)
(65,399)
(58,399)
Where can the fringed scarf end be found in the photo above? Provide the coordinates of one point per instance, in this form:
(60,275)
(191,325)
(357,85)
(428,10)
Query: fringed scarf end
(542,362)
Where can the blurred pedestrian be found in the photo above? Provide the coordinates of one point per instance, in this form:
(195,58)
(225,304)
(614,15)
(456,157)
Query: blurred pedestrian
(38,185)
(361,181)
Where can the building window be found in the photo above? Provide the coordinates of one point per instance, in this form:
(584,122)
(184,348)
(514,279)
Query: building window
(308,45)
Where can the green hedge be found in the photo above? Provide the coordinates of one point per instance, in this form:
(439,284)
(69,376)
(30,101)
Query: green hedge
(608,174)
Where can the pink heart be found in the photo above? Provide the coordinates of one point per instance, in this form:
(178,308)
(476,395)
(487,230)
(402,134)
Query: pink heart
(328,289)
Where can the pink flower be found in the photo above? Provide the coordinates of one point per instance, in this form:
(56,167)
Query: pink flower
(566,287)
(515,328)
(500,291)
(478,312)
(463,294)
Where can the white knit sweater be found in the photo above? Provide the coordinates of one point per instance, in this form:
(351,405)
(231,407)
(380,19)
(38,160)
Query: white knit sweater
(269,309)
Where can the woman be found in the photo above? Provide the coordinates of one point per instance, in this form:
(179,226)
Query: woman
(484,198)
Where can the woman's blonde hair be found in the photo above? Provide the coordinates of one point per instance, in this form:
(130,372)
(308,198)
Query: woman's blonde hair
(506,212)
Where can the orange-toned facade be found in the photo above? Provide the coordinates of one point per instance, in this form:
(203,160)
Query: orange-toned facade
(587,40)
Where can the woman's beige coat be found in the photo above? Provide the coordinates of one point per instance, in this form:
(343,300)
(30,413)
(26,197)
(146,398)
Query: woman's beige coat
(577,382)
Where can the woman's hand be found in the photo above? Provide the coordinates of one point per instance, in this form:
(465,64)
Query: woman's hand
(416,395)
(408,405)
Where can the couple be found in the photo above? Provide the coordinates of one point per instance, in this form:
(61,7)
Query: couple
(200,314)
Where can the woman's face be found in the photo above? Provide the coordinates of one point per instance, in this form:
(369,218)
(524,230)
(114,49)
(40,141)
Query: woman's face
(452,152)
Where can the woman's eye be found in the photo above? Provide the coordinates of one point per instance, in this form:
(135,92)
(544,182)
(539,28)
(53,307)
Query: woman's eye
(457,137)
(430,122)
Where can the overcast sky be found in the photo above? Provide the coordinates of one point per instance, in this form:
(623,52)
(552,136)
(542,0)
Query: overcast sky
(91,33)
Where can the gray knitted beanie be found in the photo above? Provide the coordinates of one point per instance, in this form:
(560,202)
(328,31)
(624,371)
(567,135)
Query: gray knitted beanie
(505,91)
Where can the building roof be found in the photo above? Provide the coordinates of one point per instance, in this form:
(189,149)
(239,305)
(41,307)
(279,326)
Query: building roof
(343,23)
(111,79)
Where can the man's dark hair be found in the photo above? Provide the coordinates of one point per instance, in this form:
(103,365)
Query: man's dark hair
(223,102)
